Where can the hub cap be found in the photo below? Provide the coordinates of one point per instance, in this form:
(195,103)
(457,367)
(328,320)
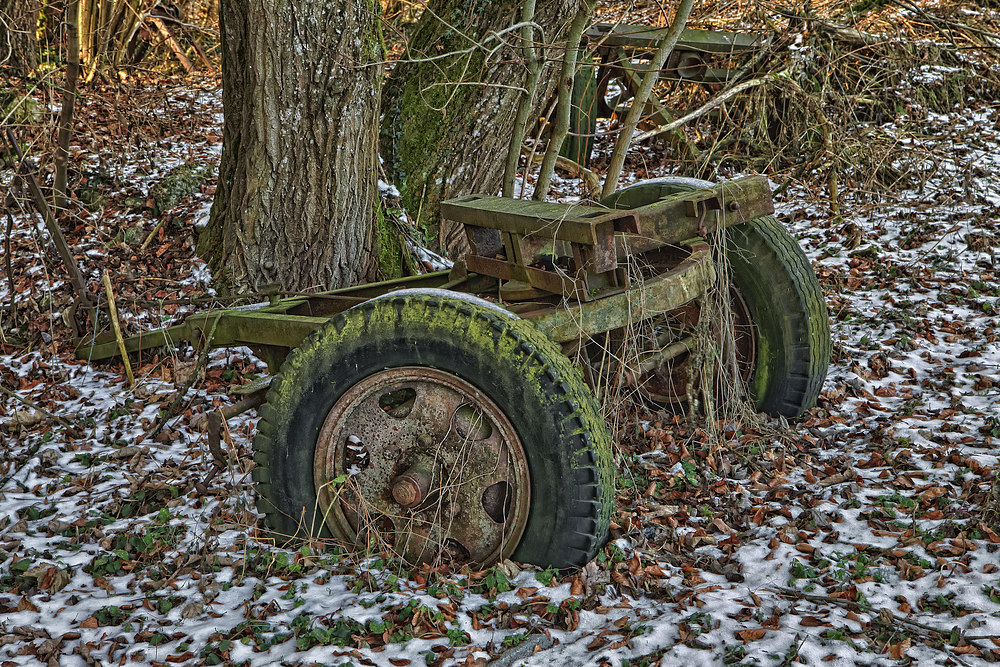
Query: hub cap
(421,463)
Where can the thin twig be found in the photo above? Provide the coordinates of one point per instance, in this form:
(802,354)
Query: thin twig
(171,410)
(533,62)
(631,121)
(113,312)
(75,275)
(10,268)
(565,102)
(707,106)
(36,407)
(68,103)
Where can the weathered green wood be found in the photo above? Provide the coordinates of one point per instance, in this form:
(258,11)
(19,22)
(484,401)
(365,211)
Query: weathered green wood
(665,216)
(239,327)
(685,215)
(334,301)
(565,222)
(106,347)
(644,37)
(573,320)
(281,324)
(710,75)
(232,328)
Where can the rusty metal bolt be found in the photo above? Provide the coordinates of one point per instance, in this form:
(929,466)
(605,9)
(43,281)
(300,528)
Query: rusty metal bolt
(410,488)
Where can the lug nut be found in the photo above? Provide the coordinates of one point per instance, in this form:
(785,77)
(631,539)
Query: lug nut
(410,488)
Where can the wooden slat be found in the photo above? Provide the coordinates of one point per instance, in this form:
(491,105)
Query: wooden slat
(566,222)
(645,37)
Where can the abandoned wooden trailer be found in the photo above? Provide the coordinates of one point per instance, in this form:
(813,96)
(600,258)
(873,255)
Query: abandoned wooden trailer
(441,416)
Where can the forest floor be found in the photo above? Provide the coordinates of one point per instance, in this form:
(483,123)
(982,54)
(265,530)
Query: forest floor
(864,533)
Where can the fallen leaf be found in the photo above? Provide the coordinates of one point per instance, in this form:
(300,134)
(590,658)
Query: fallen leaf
(933,492)
(814,622)
(24,604)
(898,651)
(526,591)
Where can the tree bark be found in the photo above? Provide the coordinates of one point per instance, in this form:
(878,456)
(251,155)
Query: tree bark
(652,75)
(69,102)
(448,121)
(18,39)
(297,193)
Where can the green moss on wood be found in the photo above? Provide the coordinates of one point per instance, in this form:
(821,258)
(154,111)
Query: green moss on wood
(424,101)
(390,250)
(419,130)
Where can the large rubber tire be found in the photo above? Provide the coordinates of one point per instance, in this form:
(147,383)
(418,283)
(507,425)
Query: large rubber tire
(562,432)
(779,288)
(777,283)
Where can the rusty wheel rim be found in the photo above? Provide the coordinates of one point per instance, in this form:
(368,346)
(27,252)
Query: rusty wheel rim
(421,463)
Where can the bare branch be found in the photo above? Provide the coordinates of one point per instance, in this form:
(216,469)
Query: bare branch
(646,87)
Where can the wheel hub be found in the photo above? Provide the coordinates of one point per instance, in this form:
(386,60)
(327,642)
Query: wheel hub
(410,489)
(421,463)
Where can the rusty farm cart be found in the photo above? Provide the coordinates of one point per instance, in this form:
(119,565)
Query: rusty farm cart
(440,415)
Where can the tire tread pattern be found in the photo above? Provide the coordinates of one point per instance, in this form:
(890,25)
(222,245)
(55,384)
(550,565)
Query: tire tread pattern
(771,270)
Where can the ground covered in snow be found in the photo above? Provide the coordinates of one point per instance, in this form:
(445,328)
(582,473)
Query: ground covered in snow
(865,533)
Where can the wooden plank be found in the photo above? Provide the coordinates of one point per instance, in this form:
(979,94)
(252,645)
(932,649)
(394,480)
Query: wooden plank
(105,346)
(565,222)
(645,37)
(238,327)
(672,218)
(573,320)
(548,281)
(233,328)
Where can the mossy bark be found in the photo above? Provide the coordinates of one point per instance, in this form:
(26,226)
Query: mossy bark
(447,122)
(18,41)
(297,195)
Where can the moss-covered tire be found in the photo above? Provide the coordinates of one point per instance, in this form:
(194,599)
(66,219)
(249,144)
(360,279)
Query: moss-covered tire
(469,352)
(782,297)
(785,302)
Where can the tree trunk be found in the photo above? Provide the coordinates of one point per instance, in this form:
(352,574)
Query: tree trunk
(106,29)
(448,121)
(69,102)
(18,38)
(297,193)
